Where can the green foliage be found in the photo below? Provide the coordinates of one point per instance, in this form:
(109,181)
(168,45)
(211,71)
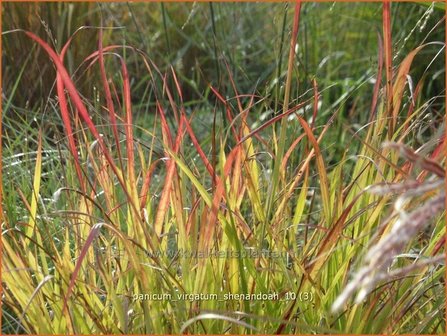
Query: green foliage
(130,185)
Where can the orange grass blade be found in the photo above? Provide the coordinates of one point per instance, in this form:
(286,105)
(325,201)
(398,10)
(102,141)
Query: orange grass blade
(164,201)
(220,189)
(324,183)
(400,83)
(299,175)
(290,150)
(177,85)
(166,132)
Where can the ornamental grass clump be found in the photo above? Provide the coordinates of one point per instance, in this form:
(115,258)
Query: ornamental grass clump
(150,212)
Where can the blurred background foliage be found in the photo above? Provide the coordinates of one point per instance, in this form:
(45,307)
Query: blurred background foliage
(337,45)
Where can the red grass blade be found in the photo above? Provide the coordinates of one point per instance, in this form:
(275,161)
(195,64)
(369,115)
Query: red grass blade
(196,144)
(146,183)
(331,238)
(171,169)
(65,114)
(108,96)
(289,151)
(92,235)
(228,110)
(68,84)
(128,128)
(166,132)
(82,110)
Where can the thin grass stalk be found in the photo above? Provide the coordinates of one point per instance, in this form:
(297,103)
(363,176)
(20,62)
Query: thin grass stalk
(280,56)
(165,27)
(282,136)
(377,84)
(386,17)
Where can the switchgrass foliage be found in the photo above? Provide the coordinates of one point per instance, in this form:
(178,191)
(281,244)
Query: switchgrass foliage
(147,169)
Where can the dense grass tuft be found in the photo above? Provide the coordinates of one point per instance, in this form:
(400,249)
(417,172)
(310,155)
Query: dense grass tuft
(151,176)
